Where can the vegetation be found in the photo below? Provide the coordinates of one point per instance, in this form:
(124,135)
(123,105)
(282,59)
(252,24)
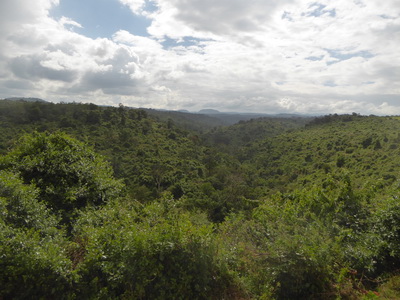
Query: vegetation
(120,203)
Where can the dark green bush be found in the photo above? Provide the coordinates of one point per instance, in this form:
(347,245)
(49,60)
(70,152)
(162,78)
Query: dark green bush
(153,252)
(294,245)
(384,236)
(33,260)
(68,174)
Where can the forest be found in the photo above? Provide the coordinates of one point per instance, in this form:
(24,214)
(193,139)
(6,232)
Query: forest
(120,203)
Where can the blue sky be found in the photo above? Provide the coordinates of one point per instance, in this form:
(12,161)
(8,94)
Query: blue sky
(288,56)
(101,18)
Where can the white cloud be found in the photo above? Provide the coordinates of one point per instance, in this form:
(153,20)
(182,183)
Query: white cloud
(67,21)
(223,17)
(20,12)
(138,43)
(135,5)
(273,56)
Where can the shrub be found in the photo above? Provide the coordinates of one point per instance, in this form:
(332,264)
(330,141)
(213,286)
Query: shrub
(295,246)
(153,252)
(33,261)
(385,236)
(67,173)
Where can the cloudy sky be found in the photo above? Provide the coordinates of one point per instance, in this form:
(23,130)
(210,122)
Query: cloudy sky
(290,56)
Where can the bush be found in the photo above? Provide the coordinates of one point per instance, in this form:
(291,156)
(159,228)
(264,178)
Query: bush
(295,246)
(67,173)
(33,261)
(152,252)
(32,266)
(384,236)
(20,207)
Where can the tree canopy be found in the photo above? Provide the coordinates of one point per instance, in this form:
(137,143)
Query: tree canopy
(122,203)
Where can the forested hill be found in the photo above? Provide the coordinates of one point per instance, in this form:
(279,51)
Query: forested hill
(150,155)
(244,133)
(123,203)
(367,148)
(154,151)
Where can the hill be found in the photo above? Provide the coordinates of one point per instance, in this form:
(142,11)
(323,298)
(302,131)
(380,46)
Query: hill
(187,121)
(363,146)
(27,99)
(150,155)
(94,198)
(232,138)
(230,118)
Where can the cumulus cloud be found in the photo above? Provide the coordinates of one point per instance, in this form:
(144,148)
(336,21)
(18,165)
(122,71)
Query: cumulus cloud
(58,61)
(37,67)
(14,12)
(225,16)
(136,6)
(273,56)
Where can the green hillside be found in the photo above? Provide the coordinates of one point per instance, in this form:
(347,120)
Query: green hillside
(127,137)
(121,203)
(365,147)
(244,133)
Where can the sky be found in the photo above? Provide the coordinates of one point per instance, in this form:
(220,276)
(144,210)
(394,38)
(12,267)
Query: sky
(261,56)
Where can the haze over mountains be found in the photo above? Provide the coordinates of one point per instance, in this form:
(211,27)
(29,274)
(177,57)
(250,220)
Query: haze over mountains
(225,118)
(27,99)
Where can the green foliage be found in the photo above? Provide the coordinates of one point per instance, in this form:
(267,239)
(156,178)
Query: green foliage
(384,236)
(294,246)
(33,260)
(362,145)
(152,252)
(67,173)
(232,138)
(264,209)
(390,289)
(20,207)
(33,266)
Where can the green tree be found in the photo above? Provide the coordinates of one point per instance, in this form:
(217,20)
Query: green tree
(68,174)
(153,251)
(33,260)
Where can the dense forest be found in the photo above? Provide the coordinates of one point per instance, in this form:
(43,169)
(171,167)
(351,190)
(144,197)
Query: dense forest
(121,203)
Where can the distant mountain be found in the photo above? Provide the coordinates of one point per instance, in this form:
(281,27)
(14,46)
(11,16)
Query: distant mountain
(209,118)
(209,112)
(230,118)
(186,120)
(27,99)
